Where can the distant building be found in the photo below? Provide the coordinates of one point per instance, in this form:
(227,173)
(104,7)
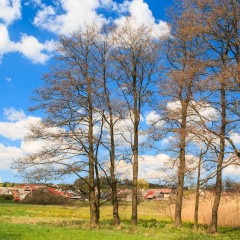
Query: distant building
(159,194)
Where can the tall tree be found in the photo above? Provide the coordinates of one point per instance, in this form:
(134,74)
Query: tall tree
(68,99)
(135,55)
(110,109)
(217,23)
(179,87)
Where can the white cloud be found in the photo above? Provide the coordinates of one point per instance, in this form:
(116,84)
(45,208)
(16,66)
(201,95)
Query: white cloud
(65,16)
(28,46)
(124,131)
(10,11)
(142,15)
(205,110)
(152,118)
(232,171)
(150,167)
(108,4)
(5,44)
(19,124)
(35,51)
(75,14)
(235,137)
(12,114)
(30,147)
(168,140)
(7,154)
(16,128)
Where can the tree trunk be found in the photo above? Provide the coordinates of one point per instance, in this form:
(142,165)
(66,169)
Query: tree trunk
(92,197)
(135,152)
(116,219)
(135,178)
(181,168)
(197,193)
(214,223)
(98,194)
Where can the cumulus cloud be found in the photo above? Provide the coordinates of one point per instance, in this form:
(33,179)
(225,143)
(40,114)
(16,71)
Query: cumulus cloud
(10,11)
(73,15)
(157,167)
(7,154)
(153,118)
(12,114)
(5,44)
(65,16)
(232,171)
(33,50)
(141,14)
(28,46)
(235,137)
(205,110)
(17,126)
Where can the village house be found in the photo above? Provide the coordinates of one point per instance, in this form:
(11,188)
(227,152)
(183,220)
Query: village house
(159,194)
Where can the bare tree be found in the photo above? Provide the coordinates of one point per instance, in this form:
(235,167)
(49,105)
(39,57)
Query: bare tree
(218,25)
(134,58)
(72,127)
(110,109)
(179,86)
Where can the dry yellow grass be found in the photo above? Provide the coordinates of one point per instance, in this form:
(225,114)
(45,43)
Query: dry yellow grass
(229,210)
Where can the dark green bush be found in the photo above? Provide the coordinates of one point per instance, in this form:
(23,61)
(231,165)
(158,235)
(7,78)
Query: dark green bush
(6,198)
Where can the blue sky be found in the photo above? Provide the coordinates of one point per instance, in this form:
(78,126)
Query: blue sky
(28,36)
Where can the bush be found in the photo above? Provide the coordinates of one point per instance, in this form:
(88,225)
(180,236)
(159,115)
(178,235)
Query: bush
(6,198)
(44,197)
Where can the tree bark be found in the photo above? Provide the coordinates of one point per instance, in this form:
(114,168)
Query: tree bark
(181,168)
(98,195)
(197,193)
(92,196)
(116,219)
(135,152)
(214,222)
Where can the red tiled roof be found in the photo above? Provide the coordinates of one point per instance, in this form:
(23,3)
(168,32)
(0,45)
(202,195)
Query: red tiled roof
(151,192)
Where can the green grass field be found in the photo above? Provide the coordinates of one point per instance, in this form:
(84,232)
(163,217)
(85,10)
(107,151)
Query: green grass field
(27,222)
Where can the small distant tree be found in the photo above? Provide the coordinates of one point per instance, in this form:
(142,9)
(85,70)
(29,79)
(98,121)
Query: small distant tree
(143,184)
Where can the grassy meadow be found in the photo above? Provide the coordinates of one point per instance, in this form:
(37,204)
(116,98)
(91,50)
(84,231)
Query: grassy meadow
(27,222)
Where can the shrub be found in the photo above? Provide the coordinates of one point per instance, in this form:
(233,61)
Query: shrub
(6,198)
(44,197)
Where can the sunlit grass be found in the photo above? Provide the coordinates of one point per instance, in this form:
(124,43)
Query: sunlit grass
(30,222)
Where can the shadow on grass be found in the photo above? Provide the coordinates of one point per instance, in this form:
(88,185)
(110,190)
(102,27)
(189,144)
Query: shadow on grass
(229,230)
(10,236)
(142,223)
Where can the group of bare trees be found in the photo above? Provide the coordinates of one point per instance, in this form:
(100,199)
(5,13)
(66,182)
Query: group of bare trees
(203,56)
(100,78)
(103,76)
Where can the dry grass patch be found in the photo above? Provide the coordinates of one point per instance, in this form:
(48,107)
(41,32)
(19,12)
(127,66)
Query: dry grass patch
(229,209)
